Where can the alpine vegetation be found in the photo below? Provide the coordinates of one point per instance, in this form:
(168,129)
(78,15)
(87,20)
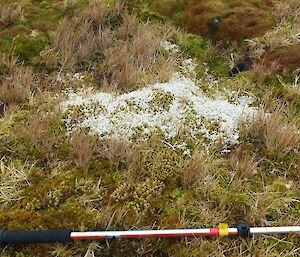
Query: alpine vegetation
(128,115)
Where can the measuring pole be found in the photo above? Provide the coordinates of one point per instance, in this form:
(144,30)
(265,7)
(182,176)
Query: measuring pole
(65,235)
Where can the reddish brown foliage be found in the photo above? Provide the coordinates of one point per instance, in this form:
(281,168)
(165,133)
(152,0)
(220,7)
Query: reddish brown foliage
(287,59)
(236,20)
(269,2)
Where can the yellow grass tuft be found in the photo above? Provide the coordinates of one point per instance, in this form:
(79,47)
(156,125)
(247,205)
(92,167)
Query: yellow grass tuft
(13,177)
(287,10)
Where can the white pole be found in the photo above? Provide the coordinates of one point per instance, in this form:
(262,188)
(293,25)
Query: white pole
(274,230)
(179,232)
(148,233)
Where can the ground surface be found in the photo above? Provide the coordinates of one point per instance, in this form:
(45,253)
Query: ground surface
(114,117)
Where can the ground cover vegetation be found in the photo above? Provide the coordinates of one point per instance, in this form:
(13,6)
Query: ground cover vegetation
(67,65)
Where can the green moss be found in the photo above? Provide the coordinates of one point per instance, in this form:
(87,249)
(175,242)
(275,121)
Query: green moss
(194,45)
(29,46)
(161,101)
(273,79)
(5,42)
(174,9)
(147,13)
(20,118)
(177,193)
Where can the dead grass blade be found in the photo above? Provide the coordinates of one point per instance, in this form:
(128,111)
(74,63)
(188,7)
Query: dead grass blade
(10,14)
(83,147)
(13,178)
(196,169)
(273,131)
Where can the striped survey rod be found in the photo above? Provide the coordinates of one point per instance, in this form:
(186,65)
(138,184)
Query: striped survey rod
(65,235)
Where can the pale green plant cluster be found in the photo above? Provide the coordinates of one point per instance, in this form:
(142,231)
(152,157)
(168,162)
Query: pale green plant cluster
(139,197)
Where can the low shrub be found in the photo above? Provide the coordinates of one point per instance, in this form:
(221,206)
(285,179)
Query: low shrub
(29,46)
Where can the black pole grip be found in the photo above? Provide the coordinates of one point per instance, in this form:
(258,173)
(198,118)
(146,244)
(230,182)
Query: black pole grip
(243,229)
(37,236)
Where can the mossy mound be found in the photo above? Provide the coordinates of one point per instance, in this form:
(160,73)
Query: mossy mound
(221,20)
(34,16)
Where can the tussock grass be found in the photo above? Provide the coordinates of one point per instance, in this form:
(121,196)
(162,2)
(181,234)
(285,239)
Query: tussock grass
(16,87)
(137,62)
(124,53)
(78,38)
(260,71)
(83,146)
(8,62)
(117,151)
(10,14)
(16,79)
(243,164)
(287,10)
(284,37)
(74,41)
(195,170)
(274,132)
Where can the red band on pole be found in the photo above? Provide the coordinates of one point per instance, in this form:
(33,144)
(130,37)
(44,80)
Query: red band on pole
(214,232)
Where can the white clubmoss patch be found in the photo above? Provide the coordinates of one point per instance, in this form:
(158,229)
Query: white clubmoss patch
(167,107)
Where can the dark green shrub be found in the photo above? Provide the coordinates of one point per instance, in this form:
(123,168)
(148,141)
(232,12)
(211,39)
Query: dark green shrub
(194,45)
(28,47)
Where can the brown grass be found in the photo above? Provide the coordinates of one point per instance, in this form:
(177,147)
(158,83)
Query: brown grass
(36,129)
(281,44)
(121,72)
(74,41)
(287,10)
(196,169)
(119,152)
(145,46)
(48,58)
(83,147)
(16,87)
(10,14)
(128,27)
(286,57)
(134,63)
(13,88)
(243,164)
(77,39)
(261,70)
(8,62)
(281,135)
(104,39)
(273,131)
(100,13)
(128,54)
